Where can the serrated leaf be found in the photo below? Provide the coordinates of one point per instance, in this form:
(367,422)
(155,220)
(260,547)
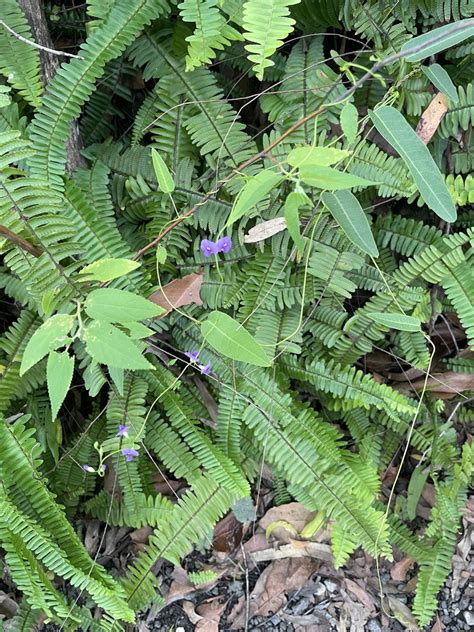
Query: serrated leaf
(349,122)
(331,179)
(441,80)
(322,156)
(292,204)
(231,339)
(59,371)
(109,269)
(396,321)
(402,137)
(108,345)
(255,190)
(452,37)
(350,216)
(162,173)
(118,306)
(51,335)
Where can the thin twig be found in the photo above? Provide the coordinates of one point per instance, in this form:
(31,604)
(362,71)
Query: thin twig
(35,45)
(20,242)
(262,154)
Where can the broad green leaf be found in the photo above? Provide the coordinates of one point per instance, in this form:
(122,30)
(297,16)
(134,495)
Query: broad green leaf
(292,204)
(396,321)
(415,487)
(136,331)
(119,306)
(108,345)
(331,179)
(117,376)
(348,213)
(161,254)
(323,156)
(165,180)
(255,190)
(402,137)
(455,33)
(441,80)
(51,335)
(59,370)
(231,339)
(349,122)
(109,269)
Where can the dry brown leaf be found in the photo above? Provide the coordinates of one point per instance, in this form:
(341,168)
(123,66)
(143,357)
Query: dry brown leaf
(8,606)
(180,586)
(140,536)
(400,569)
(293,513)
(179,292)
(438,626)
(403,614)
(227,534)
(210,612)
(361,595)
(446,385)
(265,229)
(358,614)
(431,117)
(275,582)
(295,549)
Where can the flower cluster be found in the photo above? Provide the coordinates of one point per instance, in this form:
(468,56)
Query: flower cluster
(208,247)
(194,358)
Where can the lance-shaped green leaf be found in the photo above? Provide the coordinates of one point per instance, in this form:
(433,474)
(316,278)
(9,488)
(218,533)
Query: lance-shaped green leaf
(415,487)
(349,122)
(402,137)
(108,345)
(436,40)
(441,80)
(255,190)
(350,216)
(59,370)
(292,204)
(108,269)
(231,339)
(51,335)
(323,156)
(165,180)
(119,306)
(331,179)
(396,321)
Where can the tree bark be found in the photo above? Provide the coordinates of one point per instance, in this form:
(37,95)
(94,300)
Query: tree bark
(34,13)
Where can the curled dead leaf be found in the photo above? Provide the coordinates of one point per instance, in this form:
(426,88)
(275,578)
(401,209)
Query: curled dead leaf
(179,292)
(446,385)
(286,520)
(431,117)
(264,230)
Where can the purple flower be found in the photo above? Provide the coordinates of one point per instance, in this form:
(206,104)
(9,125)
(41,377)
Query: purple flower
(205,369)
(224,244)
(192,355)
(122,431)
(208,248)
(88,468)
(129,453)
(103,467)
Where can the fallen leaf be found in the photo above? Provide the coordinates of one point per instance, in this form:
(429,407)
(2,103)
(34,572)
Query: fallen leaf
(227,534)
(438,626)
(361,595)
(295,514)
(400,569)
(8,606)
(210,612)
(295,549)
(357,612)
(431,117)
(180,586)
(442,385)
(403,614)
(179,292)
(140,536)
(274,584)
(265,229)
(92,537)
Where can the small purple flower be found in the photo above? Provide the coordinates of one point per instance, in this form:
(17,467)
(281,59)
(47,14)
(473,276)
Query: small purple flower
(224,244)
(122,431)
(129,453)
(208,248)
(103,467)
(205,369)
(88,468)
(192,355)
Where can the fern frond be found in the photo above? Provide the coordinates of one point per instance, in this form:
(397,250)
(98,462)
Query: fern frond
(459,287)
(19,62)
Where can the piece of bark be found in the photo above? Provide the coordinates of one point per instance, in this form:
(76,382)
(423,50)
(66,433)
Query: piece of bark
(34,13)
